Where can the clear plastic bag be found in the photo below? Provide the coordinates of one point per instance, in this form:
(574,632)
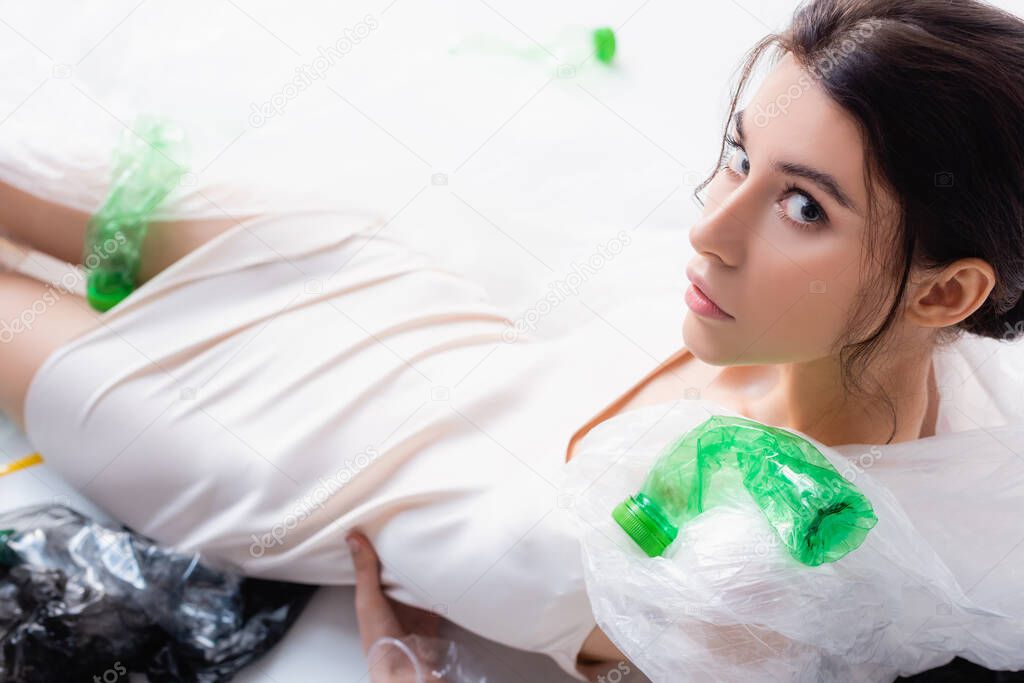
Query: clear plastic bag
(78,599)
(728,602)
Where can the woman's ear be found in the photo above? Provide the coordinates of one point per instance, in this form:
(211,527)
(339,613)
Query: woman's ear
(950,295)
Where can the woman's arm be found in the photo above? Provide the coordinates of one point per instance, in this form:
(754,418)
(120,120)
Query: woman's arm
(381,619)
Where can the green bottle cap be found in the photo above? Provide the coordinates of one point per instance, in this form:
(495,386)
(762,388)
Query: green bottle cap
(604,44)
(646,523)
(7,556)
(106,290)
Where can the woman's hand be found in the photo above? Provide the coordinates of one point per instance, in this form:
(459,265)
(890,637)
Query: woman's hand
(380,617)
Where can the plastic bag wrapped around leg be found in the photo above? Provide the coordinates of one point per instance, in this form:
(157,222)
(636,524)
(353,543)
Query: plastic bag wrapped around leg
(729,601)
(78,599)
(147,167)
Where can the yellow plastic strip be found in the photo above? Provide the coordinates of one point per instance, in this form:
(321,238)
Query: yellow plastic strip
(24,463)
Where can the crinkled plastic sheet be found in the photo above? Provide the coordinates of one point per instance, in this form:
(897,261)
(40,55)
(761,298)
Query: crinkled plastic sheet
(727,602)
(78,598)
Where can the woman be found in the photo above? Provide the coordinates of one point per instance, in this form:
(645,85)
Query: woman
(279,381)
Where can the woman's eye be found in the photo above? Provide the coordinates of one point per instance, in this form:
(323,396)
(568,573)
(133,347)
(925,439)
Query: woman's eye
(800,208)
(738,162)
(796,206)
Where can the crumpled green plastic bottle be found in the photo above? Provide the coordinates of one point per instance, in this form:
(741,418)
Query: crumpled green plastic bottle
(146,169)
(818,515)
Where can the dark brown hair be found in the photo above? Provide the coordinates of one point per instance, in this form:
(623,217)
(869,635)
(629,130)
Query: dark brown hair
(936,88)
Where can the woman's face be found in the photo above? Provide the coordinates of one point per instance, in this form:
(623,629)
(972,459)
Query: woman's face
(780,240)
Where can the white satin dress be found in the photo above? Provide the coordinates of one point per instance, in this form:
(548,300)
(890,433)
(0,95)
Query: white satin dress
(304,374)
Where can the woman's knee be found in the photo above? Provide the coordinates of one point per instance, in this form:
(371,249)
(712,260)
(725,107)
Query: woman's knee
(35,320)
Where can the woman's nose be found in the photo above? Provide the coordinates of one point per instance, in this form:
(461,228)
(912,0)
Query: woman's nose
(726,224)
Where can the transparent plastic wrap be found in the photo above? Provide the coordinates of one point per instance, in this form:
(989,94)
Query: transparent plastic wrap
(729,600)
(78,599)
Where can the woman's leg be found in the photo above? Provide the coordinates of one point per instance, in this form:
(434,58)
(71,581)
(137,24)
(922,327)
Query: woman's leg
(35,319)
(59,230)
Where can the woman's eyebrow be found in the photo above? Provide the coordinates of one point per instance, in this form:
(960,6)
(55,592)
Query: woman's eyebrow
(823,180)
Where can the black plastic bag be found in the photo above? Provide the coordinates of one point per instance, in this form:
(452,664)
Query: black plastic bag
(79,600)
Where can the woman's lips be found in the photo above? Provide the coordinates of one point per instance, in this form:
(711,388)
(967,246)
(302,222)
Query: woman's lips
(700,303)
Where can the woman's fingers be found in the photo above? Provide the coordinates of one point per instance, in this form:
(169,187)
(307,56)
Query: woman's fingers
(394,660)
(373,610)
